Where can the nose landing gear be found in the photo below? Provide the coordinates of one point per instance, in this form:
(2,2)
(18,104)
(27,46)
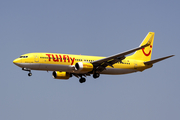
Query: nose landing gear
(29,74)
(26,69)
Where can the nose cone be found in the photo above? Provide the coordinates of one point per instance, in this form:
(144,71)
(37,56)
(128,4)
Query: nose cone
(17,61)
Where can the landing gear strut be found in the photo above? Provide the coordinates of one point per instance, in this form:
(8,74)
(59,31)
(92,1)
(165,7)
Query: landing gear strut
(82,80)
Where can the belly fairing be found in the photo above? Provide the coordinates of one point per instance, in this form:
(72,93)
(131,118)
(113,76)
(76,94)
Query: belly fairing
(115,71)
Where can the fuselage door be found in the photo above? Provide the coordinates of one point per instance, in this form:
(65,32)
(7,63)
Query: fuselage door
(36,58)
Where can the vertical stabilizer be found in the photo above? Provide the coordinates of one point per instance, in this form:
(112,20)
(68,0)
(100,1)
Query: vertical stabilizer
(144,53)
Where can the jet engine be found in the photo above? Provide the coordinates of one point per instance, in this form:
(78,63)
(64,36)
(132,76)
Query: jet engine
(83,67)
(61,75)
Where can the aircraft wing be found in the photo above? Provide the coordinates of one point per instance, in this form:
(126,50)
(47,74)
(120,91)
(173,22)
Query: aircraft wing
(109,61)
(157,60)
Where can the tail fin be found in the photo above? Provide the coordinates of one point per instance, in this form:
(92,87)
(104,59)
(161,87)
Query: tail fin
(145,53)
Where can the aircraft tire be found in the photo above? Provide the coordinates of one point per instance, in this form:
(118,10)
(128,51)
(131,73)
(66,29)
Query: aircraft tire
(29,74)
(82,80)
(96,75)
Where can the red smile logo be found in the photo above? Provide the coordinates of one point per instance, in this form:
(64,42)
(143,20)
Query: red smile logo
(147,54)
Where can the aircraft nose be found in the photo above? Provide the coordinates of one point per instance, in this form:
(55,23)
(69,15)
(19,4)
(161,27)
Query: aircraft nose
(16,61)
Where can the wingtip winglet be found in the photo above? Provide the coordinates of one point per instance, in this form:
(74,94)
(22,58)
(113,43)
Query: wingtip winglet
(150,39)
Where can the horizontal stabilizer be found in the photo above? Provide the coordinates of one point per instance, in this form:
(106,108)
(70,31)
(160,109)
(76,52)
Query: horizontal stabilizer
(157,60)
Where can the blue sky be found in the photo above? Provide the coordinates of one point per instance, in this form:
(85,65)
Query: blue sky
(100,28)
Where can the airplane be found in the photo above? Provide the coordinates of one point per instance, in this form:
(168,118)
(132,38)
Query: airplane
(65,66)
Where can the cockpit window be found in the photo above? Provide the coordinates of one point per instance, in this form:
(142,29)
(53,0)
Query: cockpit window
(23,56)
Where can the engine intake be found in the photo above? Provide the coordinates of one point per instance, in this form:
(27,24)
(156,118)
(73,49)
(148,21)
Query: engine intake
(83,67)
(61,75)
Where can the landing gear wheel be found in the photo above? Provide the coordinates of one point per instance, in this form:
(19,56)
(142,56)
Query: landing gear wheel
(96,75)
(29,74)
(82,80)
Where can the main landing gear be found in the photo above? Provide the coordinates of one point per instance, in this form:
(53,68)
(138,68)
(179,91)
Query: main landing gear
(82,80)
(96,75)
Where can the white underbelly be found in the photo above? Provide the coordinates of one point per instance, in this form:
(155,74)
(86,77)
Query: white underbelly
(117,71)
(70,68)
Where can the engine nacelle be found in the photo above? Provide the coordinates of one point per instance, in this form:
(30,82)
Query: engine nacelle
(83,67)
(61,75)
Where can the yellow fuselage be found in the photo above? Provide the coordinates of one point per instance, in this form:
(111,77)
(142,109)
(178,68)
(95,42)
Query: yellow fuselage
(66,62)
